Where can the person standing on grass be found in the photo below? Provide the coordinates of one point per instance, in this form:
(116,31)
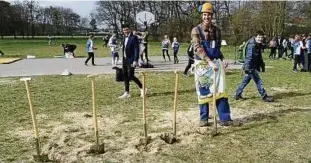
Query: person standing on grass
(308,46)
(113,44)
(130,50)
(206,40)
(90,50)
(1,53)
(252,65)
(290,44)
(141,45)
(50,40)
(105,40)
(175,46)
(298,47)
(303,53)
(264,44)
(272,45)
(145,36)
(190,54)
(165,44)
(284,44)
(279,42)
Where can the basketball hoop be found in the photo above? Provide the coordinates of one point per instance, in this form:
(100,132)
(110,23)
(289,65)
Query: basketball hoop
(145,18)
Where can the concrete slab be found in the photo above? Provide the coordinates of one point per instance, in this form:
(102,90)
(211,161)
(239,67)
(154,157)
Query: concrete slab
(55,66)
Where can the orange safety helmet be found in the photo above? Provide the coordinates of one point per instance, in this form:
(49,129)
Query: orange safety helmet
(207,7)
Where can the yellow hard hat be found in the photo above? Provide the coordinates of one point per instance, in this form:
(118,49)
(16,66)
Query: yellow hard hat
(207,7)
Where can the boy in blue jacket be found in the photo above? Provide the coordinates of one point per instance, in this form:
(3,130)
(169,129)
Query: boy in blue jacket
(252,65)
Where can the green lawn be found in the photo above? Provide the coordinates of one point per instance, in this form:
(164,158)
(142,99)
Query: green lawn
(40,48)
(270,132)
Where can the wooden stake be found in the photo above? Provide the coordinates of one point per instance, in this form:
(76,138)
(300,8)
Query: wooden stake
(144,108)
(33,116)
(94,111)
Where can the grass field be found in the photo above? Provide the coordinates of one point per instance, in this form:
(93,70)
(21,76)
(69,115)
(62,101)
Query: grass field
(41,49)
(270,132)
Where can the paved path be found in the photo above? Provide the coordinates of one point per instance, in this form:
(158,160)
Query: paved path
(55,66)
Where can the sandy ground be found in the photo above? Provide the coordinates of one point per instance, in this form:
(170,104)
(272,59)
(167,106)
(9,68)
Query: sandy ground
(71,140)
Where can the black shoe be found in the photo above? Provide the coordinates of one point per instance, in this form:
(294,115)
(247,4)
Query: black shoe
(85,64)
(239,97)
(94,64)
(268,99)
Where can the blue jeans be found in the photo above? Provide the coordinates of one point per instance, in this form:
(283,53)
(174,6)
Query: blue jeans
(247,78)
(223,110)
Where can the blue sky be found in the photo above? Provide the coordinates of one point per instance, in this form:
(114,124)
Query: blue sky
(83,8)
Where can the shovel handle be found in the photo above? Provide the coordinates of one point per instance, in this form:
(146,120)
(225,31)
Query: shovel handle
(144,105)
(214,102)
(175,102)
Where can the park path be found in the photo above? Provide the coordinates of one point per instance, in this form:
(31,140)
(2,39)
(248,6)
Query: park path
(55,66)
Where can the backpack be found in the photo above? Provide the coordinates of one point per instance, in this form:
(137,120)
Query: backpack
(119,74)
(242,53)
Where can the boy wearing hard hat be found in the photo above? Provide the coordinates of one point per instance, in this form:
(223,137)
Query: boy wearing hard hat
(209,61)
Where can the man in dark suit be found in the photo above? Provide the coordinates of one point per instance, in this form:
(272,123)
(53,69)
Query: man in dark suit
(130,51)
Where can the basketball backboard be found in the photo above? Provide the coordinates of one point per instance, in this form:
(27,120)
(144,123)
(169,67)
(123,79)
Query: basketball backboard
(145,16)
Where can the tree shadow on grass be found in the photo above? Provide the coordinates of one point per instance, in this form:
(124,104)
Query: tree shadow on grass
(232,72)
(171,93)
(281,95)
(285,95)
(260,119)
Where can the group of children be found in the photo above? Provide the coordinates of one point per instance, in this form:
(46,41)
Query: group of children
(175,46)
(114,47)
(302,52)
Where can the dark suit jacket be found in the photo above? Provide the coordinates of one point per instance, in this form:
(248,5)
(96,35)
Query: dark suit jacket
(131,48)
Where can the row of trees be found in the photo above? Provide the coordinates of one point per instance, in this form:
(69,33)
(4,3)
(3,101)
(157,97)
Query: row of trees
(27,18)
(237,19)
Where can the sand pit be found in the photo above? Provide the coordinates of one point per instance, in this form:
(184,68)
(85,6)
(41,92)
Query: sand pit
(71,139)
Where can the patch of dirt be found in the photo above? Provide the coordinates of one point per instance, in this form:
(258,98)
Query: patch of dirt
(72,139)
